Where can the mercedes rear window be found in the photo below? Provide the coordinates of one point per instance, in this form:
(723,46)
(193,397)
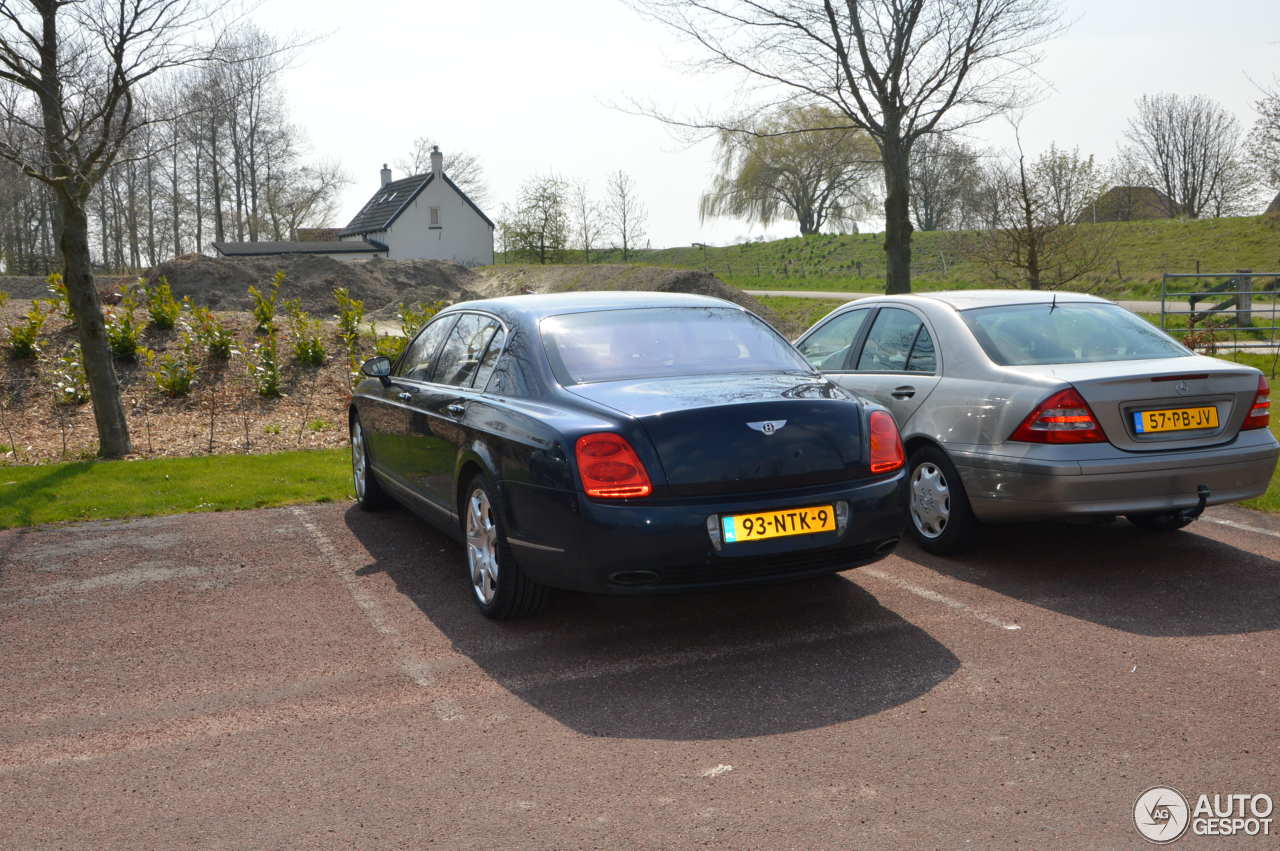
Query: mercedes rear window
(1071,332)
(611,345)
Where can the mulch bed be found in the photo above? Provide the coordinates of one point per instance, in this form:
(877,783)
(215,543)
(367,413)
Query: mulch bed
(223,414)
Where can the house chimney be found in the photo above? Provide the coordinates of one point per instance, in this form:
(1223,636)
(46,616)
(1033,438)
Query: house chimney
(386,174)
(437,161)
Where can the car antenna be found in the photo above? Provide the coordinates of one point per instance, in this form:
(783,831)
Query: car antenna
(1054,303)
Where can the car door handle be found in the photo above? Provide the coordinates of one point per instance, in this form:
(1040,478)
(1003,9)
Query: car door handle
(456,409)
(905,392)
(404,396)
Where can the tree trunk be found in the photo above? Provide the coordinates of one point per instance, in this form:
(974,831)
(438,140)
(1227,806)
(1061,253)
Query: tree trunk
(897,220)
(104,387)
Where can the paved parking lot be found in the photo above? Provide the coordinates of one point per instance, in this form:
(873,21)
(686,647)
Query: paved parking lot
(316,676)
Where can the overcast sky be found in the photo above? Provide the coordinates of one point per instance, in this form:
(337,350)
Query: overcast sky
(528,88)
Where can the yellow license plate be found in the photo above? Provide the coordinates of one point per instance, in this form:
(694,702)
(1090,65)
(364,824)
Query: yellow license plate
(778,524)
(1175,419)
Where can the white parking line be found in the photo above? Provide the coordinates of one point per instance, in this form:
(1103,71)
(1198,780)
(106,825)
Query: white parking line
(935,597)
(411,662)
(1242,526)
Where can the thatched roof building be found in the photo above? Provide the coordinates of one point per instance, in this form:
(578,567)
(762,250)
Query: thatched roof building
(1129,204)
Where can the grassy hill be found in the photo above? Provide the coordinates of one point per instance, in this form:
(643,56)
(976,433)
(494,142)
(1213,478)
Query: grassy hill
(1143,250)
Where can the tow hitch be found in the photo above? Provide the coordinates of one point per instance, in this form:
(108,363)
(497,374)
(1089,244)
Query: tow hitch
(1202,495)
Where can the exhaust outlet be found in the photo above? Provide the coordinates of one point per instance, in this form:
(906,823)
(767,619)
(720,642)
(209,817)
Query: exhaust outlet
(634,577)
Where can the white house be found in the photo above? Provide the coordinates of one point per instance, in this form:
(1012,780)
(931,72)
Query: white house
(424,217)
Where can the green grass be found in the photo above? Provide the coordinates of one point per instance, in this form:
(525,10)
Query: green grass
(1144,250)
(100,490)
(794,315)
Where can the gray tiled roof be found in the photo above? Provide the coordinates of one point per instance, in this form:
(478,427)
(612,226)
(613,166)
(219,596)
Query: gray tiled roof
(256,249)
(389,201)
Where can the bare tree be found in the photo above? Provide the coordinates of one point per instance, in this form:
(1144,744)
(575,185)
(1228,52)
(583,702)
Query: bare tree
(944,180)
(1189,147)
(625,213)
(463,167)
(1264,140)
(1036,210)
(539,224)
(897,69)
(587,225)
(74,72)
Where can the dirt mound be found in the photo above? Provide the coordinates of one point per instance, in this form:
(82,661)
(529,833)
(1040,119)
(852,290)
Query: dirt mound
(30,286)
(223,282)
(514,280)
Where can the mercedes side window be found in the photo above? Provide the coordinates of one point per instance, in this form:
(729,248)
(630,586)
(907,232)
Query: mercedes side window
(419,358)
(827,348)
(923,358)
(460,357)
(891,344)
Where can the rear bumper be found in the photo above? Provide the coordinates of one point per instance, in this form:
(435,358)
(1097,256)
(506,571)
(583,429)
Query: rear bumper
(1003,488)
(568,541)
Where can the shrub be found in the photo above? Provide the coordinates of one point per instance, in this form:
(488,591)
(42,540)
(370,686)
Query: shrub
(412,318)
(304,331)
(264,365)
(4,298)
(69,381)
(265,304)
(218,339)
(61,301)
(25,341)
(350,314)
(174,372)
(388,345)
(123,329)
(161,305)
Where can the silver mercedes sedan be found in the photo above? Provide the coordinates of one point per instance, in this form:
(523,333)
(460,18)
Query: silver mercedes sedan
(1021,405)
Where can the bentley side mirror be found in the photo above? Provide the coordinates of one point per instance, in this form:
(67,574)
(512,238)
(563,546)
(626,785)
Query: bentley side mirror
(379,368)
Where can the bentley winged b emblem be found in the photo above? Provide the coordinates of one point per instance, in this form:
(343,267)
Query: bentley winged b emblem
(767,426)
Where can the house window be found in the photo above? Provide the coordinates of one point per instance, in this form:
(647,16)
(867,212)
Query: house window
(435,217)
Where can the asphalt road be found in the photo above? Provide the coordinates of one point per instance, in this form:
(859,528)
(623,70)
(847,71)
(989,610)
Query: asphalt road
(317,677)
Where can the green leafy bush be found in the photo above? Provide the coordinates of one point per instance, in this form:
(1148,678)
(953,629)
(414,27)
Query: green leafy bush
(123,329)
(265,304)
(25,342)
(350,313)
(304,333)
(388,345)
(161,305)
(4,298)
(61,301)
(175,371)
(264,365)
(70,383)
(217,338)
(413,317)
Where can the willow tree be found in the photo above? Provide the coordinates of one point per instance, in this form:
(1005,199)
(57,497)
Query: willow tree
(897,69)
(785,170)
(71,73)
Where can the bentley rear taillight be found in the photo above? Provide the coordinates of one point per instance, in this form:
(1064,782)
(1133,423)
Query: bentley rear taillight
(1260,411)
(1065,417)
(610,468)
(886,443)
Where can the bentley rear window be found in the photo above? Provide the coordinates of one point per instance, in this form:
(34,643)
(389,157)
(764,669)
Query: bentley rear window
(1073,332)
(610,345)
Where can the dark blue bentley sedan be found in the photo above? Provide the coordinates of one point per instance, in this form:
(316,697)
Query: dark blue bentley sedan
(624,443)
